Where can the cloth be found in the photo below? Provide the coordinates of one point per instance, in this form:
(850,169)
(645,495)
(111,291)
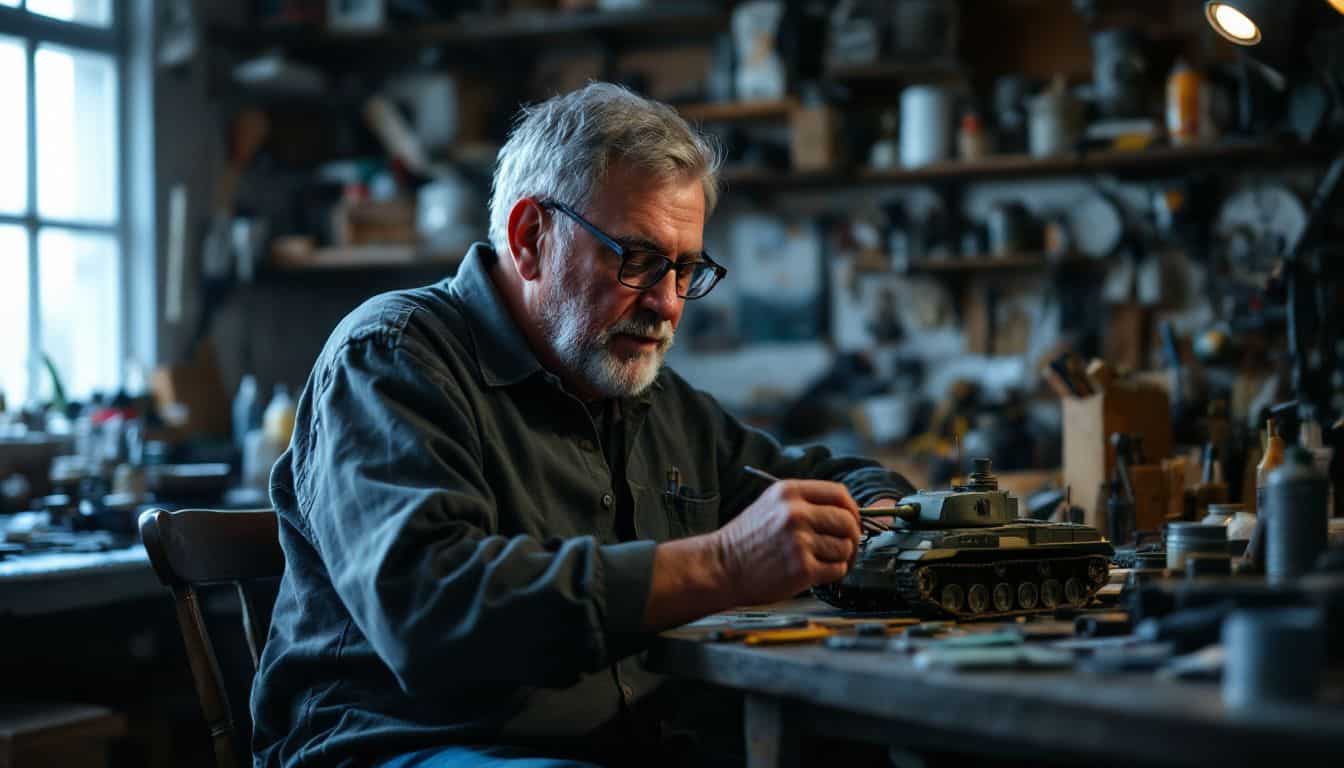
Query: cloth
(454,573)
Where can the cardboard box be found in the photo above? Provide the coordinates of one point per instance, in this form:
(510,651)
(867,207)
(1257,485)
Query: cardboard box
(815,139)
(1089,422)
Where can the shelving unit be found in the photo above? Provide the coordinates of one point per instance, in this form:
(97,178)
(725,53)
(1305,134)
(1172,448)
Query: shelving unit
(1150,162)
(989,263)
(478,30)
(737,111)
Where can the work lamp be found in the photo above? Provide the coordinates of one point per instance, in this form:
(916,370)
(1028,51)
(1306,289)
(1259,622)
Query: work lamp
(1247,22)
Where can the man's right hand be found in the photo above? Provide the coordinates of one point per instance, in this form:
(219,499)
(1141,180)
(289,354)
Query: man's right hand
(797,534)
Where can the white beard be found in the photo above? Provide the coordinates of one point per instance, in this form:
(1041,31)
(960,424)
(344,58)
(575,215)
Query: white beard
(567,322)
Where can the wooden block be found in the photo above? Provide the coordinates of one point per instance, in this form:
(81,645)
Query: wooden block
(1150,496)
(52,734)
(1128,332)
(1089,423)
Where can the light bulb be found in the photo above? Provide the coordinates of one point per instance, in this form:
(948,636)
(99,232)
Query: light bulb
(1234,25)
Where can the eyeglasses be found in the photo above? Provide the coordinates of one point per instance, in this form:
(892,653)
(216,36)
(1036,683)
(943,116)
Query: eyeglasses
(642,268)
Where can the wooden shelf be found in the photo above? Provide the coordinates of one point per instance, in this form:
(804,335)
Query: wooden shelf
(898,71)
(363,257)
(738,111)
(987,263)
(480,30)
(1150,162)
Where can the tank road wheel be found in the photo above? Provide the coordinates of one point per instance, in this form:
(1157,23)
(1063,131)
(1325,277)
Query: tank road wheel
(1003,597)
(978,598)
(926,580)
(1051,593)
(1075,591)
(1096,570)
(953,595)
(1026,595)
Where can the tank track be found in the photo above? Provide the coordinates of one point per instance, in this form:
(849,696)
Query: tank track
(971,591)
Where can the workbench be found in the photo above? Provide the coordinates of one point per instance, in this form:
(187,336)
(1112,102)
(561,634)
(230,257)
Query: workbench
(64,581)
(793,691)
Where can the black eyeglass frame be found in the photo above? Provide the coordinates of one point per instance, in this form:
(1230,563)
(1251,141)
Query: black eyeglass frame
(623,254)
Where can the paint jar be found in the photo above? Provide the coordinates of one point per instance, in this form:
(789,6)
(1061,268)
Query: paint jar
(1296,526)
(1272,655)
(1184,538)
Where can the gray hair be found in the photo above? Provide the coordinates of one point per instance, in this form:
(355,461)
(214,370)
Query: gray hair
(560,150)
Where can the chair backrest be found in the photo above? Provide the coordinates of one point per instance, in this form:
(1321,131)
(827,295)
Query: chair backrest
(194,547)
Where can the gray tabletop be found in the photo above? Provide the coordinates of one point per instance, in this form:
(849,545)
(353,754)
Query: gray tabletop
(883,697)
(62,581)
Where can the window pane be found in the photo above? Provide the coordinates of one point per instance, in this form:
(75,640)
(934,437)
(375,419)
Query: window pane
(14,314)
(83,11)
(80,305)
(76,134)
(14,128)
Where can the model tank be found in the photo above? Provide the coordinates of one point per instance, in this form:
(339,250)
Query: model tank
(965,554)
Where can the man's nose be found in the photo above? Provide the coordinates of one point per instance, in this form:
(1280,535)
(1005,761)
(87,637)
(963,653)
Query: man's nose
(661,297)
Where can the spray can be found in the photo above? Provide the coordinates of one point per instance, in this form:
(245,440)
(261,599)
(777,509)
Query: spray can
(1295,512)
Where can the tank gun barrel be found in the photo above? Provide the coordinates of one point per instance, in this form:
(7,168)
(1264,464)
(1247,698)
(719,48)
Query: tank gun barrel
(903,511)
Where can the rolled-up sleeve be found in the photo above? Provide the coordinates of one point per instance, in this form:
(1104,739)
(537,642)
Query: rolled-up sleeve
(389,482)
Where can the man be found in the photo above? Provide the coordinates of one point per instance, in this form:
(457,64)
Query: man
(495,492)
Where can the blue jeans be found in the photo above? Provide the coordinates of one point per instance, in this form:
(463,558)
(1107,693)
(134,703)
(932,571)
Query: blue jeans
(479,757)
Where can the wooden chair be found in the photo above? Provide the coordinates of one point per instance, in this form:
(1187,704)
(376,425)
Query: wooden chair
(191,548)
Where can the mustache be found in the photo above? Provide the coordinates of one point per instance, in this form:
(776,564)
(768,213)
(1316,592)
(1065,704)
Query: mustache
(648,327)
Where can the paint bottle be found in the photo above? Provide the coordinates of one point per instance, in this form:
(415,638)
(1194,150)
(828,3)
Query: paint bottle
(1273,458)
(1295,507)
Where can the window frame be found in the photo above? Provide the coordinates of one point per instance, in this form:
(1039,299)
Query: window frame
(131,230)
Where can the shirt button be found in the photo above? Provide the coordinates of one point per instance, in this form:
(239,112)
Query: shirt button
(607,500)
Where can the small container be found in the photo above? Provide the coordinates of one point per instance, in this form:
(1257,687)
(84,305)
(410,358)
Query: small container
(1296,525)
(1185,538)
(1272,655)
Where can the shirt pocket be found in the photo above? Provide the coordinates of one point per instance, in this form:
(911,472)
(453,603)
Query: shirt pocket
(691,511)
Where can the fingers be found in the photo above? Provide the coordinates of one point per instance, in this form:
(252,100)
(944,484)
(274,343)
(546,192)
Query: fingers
(827,572)
(829,549)
(819,492)
(834,521)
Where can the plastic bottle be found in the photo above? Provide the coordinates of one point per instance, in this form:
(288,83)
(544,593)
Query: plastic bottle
(1295,508)
(1309,437)
(1185,88)
(278,421)
(246,409)
(1273,458)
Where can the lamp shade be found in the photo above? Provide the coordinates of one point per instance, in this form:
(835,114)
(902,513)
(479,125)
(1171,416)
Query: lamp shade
(1248,22)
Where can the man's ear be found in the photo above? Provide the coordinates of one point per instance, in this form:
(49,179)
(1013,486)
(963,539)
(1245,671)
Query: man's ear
(527,229)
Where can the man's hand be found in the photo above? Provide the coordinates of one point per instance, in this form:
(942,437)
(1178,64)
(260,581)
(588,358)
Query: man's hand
(797,534)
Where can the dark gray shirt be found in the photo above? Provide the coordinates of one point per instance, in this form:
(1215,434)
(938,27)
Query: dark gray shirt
(454,571)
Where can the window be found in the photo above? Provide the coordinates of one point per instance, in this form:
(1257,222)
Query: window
(63,191)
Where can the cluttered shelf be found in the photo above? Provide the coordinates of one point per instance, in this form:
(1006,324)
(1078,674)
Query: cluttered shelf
(1152,161)
(1016,261)
(478,29)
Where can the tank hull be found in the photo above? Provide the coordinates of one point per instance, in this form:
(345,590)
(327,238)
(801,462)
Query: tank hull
(1013,569)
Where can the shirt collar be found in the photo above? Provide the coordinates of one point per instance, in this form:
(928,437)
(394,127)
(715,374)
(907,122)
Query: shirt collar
(501,351)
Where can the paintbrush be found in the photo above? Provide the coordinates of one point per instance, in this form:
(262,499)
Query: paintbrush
(903,511)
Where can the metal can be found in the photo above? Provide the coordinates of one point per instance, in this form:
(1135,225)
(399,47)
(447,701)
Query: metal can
(1272,654)
(1296,523)
(1184,538)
